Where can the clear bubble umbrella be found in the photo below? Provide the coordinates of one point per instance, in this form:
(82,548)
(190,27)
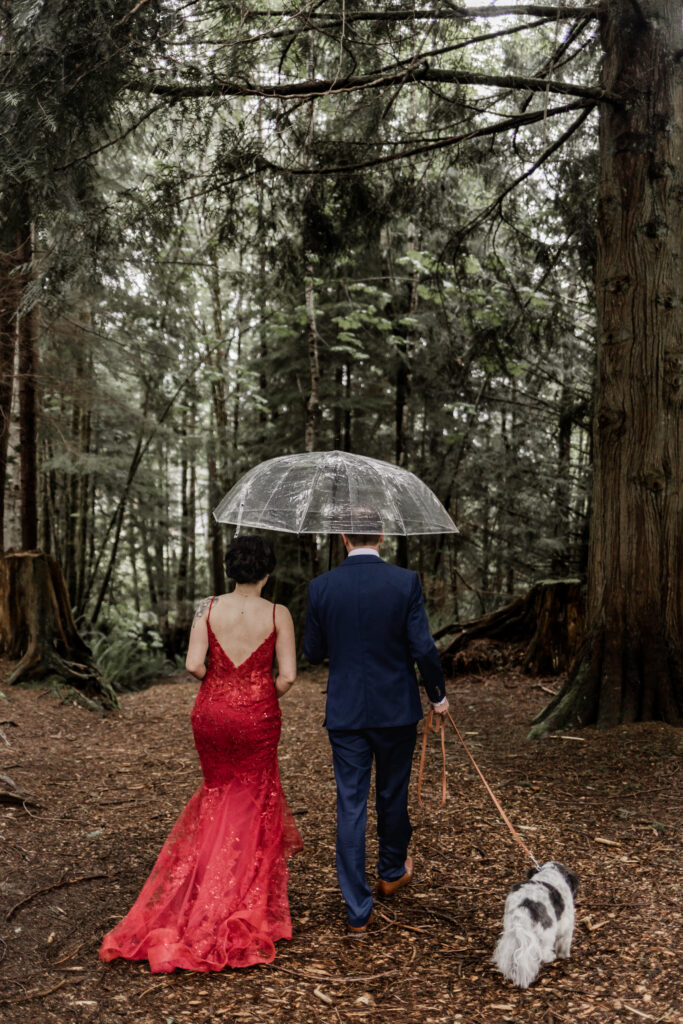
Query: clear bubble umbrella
(333,492)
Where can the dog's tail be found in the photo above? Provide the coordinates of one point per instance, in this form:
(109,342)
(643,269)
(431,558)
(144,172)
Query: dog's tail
(518,953)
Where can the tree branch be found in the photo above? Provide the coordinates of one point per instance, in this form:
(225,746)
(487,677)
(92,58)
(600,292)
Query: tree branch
(506,124)
(455,13)
(471,41)
(327,87)
(548,152)
(112,142)
(319,26)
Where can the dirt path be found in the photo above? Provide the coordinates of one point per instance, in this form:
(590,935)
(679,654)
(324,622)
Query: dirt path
(608,804)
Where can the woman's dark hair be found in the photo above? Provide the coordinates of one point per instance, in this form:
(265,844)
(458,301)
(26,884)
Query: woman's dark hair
(249,559)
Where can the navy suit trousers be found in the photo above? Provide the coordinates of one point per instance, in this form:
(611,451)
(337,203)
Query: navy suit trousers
(352,754)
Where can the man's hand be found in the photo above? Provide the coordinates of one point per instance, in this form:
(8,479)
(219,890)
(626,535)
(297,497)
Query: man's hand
(441,708)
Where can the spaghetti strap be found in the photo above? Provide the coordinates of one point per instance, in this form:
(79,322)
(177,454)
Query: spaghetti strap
(274,607)
(208,614)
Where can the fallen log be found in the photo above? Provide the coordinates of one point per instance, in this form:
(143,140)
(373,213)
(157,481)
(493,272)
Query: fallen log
(548,621)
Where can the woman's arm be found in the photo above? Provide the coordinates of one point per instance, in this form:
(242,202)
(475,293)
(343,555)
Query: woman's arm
(285,650)
(199,641)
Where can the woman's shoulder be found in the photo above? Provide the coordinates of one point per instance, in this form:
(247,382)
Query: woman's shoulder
(202,607)
(281,613)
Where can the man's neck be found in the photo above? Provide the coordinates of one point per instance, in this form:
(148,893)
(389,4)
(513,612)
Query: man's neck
(364,551)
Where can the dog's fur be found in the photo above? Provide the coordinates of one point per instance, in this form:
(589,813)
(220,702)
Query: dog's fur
(538,923)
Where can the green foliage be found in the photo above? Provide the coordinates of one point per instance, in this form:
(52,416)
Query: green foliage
(128,649)
(173,305)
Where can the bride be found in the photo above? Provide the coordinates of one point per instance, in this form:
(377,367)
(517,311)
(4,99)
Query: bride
(217,895)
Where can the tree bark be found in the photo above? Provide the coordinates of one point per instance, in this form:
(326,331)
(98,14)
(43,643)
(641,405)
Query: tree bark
(149,566)
(347,445)
(560,559)
(83,520)
(313,401)
(28,355)
(630,667)
(185,574)
(8,337)
(215,535)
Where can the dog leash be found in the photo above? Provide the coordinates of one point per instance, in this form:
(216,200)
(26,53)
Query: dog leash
(441,728)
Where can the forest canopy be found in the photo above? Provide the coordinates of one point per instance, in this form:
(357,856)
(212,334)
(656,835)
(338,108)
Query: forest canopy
(232,232)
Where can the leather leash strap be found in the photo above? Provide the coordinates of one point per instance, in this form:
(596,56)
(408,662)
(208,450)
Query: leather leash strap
(429,727)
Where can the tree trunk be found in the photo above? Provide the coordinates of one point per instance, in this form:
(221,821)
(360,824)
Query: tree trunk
(262,292)
(8,338)
(82,521)
(185,575)
(160,534)
(28,331)
(347,445)
(149,567)
(630,667)
(192,524)
(132,554)
(217,574)
(36,626)
(70,499)
(338,413)
(218,359)
(313,401)
(115,524)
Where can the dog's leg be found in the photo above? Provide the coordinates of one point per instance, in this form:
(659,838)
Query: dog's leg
(563,944)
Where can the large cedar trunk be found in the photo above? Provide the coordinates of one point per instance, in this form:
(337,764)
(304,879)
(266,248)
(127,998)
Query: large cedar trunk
(37,627)
(630,667)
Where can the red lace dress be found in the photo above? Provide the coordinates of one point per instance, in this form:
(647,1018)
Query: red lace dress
(217,895)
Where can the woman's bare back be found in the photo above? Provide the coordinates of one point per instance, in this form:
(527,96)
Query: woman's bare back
(241,624)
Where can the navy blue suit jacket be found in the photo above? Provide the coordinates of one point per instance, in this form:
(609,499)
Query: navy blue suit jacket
(369,617)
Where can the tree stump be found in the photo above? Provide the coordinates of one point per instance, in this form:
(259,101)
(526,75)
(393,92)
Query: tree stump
(37,626)
(548,619)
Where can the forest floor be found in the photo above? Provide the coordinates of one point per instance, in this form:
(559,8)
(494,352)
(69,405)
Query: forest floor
(607,804)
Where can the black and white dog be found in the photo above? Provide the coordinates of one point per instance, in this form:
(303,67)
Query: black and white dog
(538,923)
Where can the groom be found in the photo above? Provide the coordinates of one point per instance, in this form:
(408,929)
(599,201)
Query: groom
(368,616)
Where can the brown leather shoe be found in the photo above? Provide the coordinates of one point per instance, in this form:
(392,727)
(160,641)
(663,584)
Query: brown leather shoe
(359,929)
(385,889)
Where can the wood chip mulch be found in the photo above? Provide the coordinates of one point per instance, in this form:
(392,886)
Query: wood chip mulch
(100,794)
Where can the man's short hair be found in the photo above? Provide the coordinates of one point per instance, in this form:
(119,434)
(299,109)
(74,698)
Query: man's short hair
(368,527)
(362,540)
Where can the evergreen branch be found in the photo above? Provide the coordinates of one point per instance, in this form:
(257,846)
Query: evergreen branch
(475,39)
(131,14)
(112,142)
(454,14)
(328,87)
(285,33)
(504,125)
(548,152)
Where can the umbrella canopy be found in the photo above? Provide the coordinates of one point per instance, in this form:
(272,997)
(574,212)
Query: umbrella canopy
(333,492)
